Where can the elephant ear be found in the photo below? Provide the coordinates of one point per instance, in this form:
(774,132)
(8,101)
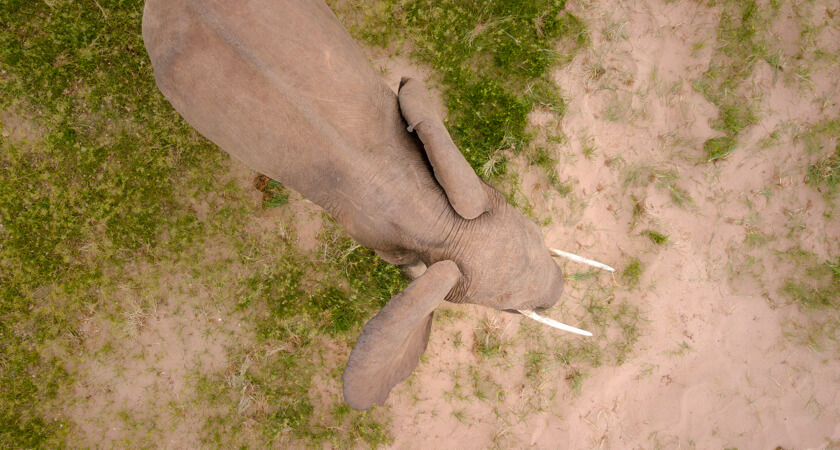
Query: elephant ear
(391,343)
(463,188)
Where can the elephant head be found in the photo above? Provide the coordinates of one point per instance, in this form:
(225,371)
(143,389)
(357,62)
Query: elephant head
(494,257)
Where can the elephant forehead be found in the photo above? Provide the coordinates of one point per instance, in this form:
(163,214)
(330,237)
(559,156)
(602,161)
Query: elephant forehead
(502,258)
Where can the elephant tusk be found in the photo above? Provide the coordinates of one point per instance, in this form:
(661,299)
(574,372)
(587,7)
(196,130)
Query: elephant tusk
(553,323)
(580,259)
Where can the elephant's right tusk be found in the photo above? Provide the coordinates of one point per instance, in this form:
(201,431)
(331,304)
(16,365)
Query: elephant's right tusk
(553,323)
(580,259)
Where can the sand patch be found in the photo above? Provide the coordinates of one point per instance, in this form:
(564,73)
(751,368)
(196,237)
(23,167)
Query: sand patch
(143,351)
(713,366)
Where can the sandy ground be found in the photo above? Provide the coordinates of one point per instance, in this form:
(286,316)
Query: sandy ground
(714,366)
(718,362)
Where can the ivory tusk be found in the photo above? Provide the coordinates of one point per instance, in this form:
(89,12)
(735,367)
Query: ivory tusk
(553,323)
(580,259)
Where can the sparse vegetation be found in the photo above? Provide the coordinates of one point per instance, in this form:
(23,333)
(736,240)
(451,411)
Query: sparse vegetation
(815,286)
(656,237)
(819,137)
(741,37)
(492,60)
(719,147)
(825,173)
(96,190)
(116,218)
(632,273)
(641,175)
(274,193)
(534,364)
(109,184)
(818,288)
(488,339)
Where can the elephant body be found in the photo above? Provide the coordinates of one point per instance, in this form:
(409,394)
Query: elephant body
(281,86)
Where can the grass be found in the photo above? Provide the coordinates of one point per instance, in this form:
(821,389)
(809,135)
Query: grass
(719,147)
(297,315)
(683,348)
(274,193)
(488,339)
(542,157)
(588,147)
(492,60)
(818,288)
(656,237)
(535,361)
(815,286)
(632,273)
(742,43)
(615,322)
(817,137)
(483,386)
(821,140)
(825,173)
(746,37)
(90,195)
(643,174)
(108,184)
(304,314)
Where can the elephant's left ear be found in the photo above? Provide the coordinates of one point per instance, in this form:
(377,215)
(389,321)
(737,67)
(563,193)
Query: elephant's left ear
(463,188)
(391,343)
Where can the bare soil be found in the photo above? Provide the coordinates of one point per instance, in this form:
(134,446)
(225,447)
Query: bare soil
(716,365)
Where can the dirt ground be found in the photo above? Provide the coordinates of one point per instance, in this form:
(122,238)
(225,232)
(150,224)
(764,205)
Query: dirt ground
(716,365)
(721,358)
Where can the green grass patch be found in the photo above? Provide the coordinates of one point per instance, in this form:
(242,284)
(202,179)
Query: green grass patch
(98,190)
(358,284)
(818,137)
(823,139)
(274,193)
(542,157)
(297,305)
(492,60)
(615,323)
(656,237)
(535,364)
(818,288)
(578,276)
(109,185)
(742,42)
(825,173)
(488,339)
(719,147)
(815,286)
(632,273)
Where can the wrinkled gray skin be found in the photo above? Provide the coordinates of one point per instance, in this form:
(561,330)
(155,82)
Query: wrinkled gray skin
(280,85)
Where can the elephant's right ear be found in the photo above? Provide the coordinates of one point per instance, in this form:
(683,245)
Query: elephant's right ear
(463,188)
(391,343)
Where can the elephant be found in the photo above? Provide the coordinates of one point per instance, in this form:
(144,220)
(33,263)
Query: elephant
(282,86)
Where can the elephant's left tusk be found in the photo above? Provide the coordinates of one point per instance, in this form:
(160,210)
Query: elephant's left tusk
(553,323)
(580,259)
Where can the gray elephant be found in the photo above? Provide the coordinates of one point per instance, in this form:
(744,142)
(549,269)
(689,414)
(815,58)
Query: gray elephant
(280,85)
